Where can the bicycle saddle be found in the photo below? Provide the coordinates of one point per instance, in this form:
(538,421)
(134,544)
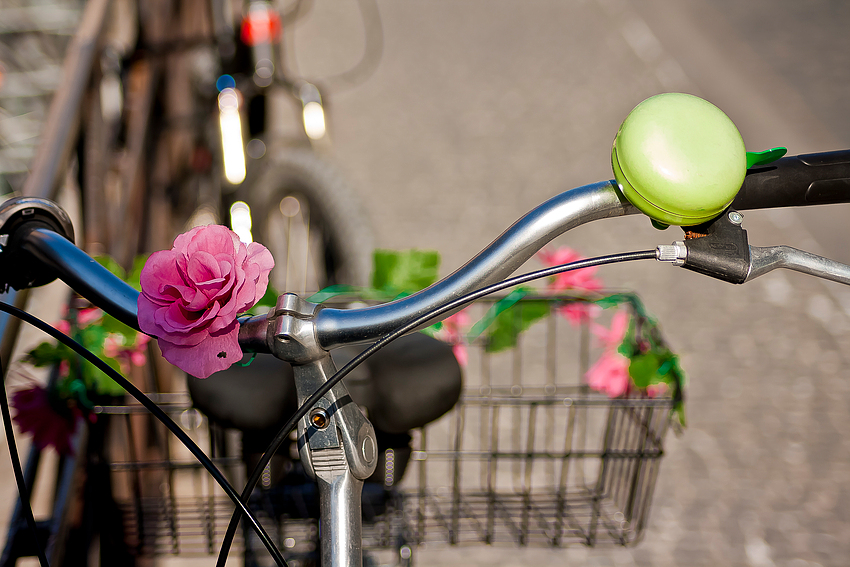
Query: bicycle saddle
(406,385)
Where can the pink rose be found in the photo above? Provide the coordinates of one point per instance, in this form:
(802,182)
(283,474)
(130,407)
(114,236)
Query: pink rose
(192,294)
(452,333)
(113,347)
(656,390)
(610,374)
(35,415)
(612,338)
(63,327)
(578,312)
(87,316)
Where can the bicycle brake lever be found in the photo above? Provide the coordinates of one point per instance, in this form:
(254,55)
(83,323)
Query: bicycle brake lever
(768,258)
(720,249)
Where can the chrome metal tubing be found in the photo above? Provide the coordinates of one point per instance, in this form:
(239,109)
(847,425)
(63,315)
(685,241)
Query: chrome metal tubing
(339,497)
(500,259)
(767,259)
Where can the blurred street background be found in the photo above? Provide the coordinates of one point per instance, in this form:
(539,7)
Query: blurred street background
(481,109)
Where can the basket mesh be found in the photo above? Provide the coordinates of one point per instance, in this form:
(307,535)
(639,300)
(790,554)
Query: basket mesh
(529,456)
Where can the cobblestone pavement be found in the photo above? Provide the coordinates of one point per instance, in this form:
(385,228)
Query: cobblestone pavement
(480,110)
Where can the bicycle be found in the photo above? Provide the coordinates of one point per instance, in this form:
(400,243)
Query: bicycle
(300,331)
(317,199)
(268,182)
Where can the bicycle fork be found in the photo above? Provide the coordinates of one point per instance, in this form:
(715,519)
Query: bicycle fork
(336,442)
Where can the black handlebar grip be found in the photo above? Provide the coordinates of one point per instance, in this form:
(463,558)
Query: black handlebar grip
(811,179)
(83,274)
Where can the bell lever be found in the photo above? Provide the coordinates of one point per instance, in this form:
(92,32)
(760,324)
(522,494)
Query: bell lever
(717,248)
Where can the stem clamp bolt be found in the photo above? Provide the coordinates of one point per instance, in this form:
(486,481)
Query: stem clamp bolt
(319,418)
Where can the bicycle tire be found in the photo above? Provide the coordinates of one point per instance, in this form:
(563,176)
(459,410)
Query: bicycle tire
(329,210)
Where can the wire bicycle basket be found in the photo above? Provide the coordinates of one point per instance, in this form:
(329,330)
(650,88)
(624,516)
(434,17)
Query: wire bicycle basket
(529,456)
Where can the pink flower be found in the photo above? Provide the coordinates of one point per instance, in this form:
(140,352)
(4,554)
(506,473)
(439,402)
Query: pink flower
(192,293)
(578,312)
(655,390)
(610,374)
(582,280)
(89,315)
(63,327)
(113,347)
(451,333)
(137,351)
(461,354)
(35,415)
(613,337)
(84,318)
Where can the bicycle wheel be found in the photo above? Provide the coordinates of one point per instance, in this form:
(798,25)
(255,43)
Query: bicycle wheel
(305,214)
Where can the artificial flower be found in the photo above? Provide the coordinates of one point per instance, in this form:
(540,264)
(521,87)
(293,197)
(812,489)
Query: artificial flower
(581,280)
(192,294)
(451,332)
(612,338)
(610,374)
(578,312)
(35,415)
(126,355)
(656,390)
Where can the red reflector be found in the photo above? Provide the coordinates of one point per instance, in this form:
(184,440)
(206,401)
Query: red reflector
(260,25)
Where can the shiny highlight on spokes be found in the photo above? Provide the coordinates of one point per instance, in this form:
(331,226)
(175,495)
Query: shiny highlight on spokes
(232,147)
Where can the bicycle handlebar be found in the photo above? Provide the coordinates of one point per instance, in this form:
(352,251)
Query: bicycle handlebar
(504,255)
(84,275)
(802,180)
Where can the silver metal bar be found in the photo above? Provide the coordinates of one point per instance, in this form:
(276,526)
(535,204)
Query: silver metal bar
(767,259)
(504,255)
(339,496)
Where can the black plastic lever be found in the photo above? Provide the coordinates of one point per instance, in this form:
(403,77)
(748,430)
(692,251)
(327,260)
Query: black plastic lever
(719,248)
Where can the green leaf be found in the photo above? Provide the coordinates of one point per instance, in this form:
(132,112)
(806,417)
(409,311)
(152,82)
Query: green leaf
(405,271)
(679,410)
(269,298)
(433,329)
(48,354)
(134,278)
(333,291)
(496,309)
(110,264)
(644,369)
(92,337)
(111,325)
(506,327)
(100,382)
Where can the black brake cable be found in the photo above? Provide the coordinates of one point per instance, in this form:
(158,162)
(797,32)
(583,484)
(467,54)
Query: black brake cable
(23,492)
(283,434)
(157,412)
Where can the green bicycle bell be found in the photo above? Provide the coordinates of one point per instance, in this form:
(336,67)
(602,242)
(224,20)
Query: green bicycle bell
(679,159)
